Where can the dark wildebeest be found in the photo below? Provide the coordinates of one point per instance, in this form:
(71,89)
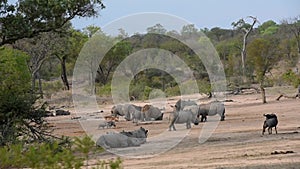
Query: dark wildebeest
(211,109)
(270,122)
(183,116)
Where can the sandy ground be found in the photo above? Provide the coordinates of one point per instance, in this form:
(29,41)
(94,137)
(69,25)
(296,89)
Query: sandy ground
(237,142)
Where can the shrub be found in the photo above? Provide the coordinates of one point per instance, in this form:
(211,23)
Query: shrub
(291,78)
(54,154)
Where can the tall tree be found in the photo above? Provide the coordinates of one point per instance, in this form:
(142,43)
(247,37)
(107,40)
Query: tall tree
(293,25)
(39,48)
(158,28)
(268,28)
(247,29)
(91,30)
(263,55)
(190,32)
(66,48)
(28,18)
(112,59)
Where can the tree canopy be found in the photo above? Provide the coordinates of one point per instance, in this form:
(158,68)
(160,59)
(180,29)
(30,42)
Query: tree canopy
(28,18)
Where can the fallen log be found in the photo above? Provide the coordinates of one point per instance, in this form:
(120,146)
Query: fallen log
(286,96)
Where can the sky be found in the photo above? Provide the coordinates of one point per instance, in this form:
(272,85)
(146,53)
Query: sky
(202,13)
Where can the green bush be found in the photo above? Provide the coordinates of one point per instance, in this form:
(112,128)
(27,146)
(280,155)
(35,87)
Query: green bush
(291,78)
(137,90)
(146,92)
(172,91)
(204,86)
(54,155)
(103,90)
(51,87)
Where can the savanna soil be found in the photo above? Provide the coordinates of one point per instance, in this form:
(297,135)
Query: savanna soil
(237,142)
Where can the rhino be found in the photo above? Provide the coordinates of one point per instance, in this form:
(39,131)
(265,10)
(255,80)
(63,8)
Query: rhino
(193,108)
(140,133)
(136,113)
(126,110)
(270,122)
(183,116)
(151,113)
(122,140)
(211,109)
(180,104)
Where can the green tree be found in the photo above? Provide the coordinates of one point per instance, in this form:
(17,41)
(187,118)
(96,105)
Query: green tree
(263,55)
(28,18)
(66,49)
(20,119)
(91,30)
(111,60)
(268,28)
(39,48)
(293,25)
(158,28)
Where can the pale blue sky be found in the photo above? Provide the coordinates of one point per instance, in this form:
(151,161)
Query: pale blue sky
(202,13)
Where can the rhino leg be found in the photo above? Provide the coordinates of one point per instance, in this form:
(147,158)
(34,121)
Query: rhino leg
(188,125)
(172,126)
(223,115)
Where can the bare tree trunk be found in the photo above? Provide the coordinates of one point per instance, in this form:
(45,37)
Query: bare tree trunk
(263,93)
(298,42)
(33,78)
(64,73)
(40,84)
(244,52)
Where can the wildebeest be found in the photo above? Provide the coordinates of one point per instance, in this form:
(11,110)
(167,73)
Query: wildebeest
(183,116)
(107,124)
(211,109)
(120,140)
(270,122)
(151,113)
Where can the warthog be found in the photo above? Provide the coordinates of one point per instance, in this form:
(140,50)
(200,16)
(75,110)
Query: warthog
(183,116)
(270,122)
(211,109)
(120,140)
(107,124)
(151,113)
